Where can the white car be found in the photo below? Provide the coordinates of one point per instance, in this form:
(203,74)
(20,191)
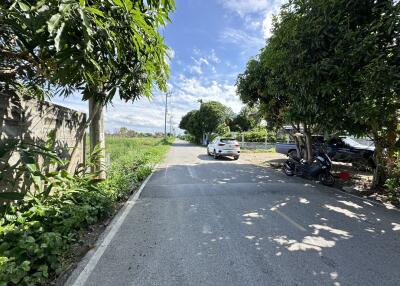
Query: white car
(224,147)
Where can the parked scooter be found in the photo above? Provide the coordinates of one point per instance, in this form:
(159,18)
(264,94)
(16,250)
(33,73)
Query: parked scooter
(319,168)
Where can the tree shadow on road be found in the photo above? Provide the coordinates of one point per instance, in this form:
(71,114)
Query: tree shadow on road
(206,157)
(316,230)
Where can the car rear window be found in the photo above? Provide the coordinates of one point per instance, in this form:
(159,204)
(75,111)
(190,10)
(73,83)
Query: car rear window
(228,140)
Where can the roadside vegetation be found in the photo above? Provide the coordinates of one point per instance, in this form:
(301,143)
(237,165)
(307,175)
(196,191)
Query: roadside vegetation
(98,49)
(331,67)
(215,119)
(37,232)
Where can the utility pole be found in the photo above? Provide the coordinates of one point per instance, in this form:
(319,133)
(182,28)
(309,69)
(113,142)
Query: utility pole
(167,94)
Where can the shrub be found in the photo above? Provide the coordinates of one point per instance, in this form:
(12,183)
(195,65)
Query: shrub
(393,181)
(36,233)
(257,135)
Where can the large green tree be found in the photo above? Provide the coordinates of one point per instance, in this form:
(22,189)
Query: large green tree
(191,123)
(100,47)
(211,116)
(247,119)
(331,66)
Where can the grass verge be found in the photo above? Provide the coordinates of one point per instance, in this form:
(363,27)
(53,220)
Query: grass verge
(38,234)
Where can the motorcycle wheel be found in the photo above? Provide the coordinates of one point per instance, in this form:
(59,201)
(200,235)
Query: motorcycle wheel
(287,170)
(326,179)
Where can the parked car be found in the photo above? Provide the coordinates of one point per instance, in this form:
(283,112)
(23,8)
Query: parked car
(339,149)
(224,147)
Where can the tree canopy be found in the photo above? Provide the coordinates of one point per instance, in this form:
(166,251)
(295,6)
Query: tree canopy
(247,119)
(100,47)
(330,66)
(211,116)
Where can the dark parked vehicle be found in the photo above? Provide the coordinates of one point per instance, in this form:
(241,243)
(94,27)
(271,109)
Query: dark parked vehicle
(339,149)
(319,168)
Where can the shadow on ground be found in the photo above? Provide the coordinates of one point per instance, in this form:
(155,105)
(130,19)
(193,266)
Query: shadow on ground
(262,215)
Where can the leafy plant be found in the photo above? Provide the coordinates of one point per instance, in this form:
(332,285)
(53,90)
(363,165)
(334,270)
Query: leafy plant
(98,46)
(392,183)
(37,232)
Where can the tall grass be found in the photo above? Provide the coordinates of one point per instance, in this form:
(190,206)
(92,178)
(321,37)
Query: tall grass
(132,160)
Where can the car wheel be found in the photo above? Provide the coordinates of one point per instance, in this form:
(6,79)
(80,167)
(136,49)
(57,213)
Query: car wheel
(235,157)
(215,155)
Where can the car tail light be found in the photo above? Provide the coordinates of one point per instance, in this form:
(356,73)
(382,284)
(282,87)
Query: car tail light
(221,144)
(237,145)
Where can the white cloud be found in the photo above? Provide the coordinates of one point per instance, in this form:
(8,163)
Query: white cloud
(213,57)
(257,14)
(267,24)
(243,7)
(196,69)
(241,38)
(203,61)
(189,90)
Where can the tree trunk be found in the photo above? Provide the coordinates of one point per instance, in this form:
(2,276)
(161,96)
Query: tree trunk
(298,149)
(308,147)
(96,133)
(297,140)
(380,170)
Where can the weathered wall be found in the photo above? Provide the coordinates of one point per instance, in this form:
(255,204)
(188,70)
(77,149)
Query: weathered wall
(31,121)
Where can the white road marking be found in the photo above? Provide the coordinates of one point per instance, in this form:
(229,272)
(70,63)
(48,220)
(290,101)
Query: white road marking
(84,275)
(166,170)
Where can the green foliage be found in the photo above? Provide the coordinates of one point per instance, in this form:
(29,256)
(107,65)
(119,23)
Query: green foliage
(256,135)
(26,171)
(36,233)
(222,129)
(131,162)
(192,124)
(101,46)
(187,137)
(393,180)
(211,116)
(330,66)
(247,119)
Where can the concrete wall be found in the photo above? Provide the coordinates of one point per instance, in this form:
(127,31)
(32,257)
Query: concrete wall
(31,121)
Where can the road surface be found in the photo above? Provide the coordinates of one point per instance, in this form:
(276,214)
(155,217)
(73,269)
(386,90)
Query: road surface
(201,221)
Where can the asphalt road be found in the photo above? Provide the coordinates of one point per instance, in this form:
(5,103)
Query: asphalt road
(201,221)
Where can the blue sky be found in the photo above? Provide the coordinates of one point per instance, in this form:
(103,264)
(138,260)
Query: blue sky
(210,41)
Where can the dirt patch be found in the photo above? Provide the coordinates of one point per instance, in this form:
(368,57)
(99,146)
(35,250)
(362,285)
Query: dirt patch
(266,159)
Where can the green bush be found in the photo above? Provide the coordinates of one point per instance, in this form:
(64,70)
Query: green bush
(393,181)
(257,135)
(36,233)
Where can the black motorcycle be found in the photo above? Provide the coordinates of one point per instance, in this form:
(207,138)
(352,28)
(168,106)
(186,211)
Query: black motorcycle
(319,168)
